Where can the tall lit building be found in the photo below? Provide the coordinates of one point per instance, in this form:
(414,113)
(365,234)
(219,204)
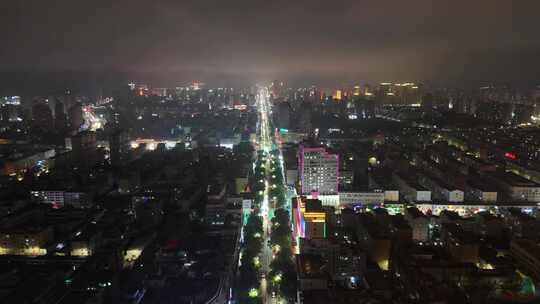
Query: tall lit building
(10,112)
(277,89)
(357,91)
(197,85)
(367,90)
(319,171)
(337,95)
(10,100)
(161,92)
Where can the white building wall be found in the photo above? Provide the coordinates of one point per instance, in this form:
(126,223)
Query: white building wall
(456,196)
(423,196)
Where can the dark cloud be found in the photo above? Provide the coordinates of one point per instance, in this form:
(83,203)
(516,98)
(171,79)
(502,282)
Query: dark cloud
(355,39)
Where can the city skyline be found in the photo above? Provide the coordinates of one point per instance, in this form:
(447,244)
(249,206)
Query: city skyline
(278,152)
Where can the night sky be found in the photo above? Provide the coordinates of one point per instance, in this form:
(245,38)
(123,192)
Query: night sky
(315,40)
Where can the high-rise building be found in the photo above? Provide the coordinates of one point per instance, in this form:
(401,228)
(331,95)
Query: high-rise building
(76,119)
(60,119)
(161,92)
(428,101)
(357,91)
(407,93)
(10,112)
(119,147)
(4,113)
(319,171)
(10,100)
(283,115)
(197,85)
(42,116)
(277,89)
(85,154)
(303,123)
(337,95)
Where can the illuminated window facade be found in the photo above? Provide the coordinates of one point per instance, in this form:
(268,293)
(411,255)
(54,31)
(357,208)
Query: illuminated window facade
(319,171)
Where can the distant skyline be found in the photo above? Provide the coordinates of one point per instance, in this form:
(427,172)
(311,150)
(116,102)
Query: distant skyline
(316,41)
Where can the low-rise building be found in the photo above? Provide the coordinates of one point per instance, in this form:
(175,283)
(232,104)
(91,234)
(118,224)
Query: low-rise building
(410,189)
(22,158)
(311,274)
(381,181)
(361,198)
(462,246)
(522,225)
(517,188)
(489,225)
(441,190)
(29,241)
(314,220)
(527,253)
(419,224)
(478,190)
(62,198)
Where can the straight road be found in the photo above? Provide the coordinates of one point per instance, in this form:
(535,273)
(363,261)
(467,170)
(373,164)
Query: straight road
(266,143)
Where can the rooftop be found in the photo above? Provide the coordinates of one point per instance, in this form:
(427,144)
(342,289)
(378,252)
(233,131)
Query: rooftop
(514,179)
(314,205)
(310,265)
(531,247)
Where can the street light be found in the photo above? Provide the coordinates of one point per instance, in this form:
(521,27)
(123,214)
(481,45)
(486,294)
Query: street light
(253,293)
(277,278)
